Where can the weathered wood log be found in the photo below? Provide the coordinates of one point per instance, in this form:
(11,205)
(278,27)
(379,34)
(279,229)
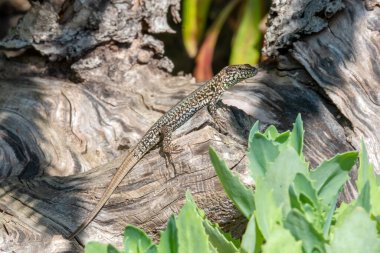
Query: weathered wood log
(152,191)
(51,128)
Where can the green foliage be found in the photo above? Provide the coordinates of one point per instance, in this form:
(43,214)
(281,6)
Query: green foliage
(293,208)
(356,233)
(136,241)
(236,190)
(203,68)
(200,36)
(248,242)
(190,229)
(194,18)
(97,247)
(247,40)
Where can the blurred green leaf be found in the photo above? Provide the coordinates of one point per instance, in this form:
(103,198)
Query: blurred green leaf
(194,13)
(97,247)
(135,240)
(365,168)
(246,44)
(301,229)
(366,175)
(297,135)
(222,242)
(281,173)
(252,132)
(305,190)
(283,137)
(190,229)
(364,199)
(261,151)
(169,241)
(241,196)
(212,248)
(329,177)
(248,243)
(282,241)
(329,217)
(271,132)
(203,66)
(152,249)
(355,234)
(267,213)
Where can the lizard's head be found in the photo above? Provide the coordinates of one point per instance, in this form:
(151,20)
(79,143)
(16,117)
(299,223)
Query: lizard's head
(231,75)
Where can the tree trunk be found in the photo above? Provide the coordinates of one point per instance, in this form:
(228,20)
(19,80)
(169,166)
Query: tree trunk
(66,124)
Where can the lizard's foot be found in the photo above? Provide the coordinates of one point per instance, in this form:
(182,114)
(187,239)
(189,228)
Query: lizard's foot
(170,165)
(171,149)
(221,124)
(168,150)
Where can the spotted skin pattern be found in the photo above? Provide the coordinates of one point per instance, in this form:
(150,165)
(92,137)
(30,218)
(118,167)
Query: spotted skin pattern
(206,95)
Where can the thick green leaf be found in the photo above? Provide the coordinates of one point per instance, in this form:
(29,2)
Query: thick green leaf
(169,241)
(239,194)
(329,217)
(365,168)
(306,200)
(305,190)
(247,42)
(190,229)
(135,240)
(212,249)
(329,177)
(355,234)
(271,132)
(364,199)
(267,213)
(97,247)
(281,173)
(152,249)
(283,137)
(254,129)
(366,175)
(248,243)
(282,241)
(297,135)
(294,199)
(221,242)
(261,151)
(194,18)
(301,229)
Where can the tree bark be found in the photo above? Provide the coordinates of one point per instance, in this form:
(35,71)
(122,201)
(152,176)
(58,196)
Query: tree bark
(61,141)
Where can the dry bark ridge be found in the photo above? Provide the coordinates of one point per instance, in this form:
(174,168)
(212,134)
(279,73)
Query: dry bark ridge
(51,127)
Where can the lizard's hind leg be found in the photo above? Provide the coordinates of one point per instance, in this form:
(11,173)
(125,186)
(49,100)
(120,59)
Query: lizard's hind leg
(168,148)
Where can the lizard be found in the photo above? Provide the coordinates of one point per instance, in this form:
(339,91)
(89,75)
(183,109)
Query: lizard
(206,95)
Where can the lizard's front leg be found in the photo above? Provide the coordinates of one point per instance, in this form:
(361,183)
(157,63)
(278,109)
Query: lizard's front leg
(212,109)
(168,148)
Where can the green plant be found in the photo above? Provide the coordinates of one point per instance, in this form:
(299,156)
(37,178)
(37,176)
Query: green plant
(293,209)
(246,42)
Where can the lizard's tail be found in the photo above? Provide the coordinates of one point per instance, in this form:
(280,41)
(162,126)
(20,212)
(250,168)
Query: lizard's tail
(127,164)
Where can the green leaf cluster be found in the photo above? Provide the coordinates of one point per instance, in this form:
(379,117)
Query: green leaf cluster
(292,209)
(190,231)
(295,206)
